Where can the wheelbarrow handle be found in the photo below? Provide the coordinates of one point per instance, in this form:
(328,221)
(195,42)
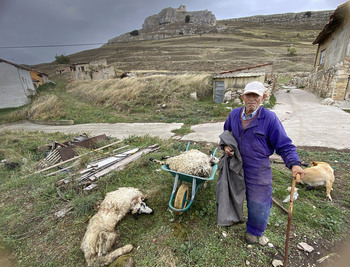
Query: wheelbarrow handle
(215,151)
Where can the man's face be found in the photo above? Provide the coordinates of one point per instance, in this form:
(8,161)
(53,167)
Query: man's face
(252,102)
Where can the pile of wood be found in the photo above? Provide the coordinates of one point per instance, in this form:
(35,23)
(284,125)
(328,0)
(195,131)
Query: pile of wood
(87,178)
(97,169)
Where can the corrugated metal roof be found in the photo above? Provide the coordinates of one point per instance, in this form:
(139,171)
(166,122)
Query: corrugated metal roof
(21,67)
(335,21)
(245,69)
(14,64)
(240,75)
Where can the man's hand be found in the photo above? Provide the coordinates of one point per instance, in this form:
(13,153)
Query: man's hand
(296,169)
(229,151)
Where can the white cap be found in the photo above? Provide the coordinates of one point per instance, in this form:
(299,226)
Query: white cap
(254,87)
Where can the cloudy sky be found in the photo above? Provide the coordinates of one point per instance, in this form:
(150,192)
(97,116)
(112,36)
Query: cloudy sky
(35,31)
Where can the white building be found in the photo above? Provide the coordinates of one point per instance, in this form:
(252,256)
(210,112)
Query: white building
(16,85)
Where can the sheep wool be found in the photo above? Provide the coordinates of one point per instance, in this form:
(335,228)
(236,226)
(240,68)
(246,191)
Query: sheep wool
(100,235)
(193,162)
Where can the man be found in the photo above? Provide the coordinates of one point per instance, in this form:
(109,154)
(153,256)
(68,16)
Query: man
(259,134)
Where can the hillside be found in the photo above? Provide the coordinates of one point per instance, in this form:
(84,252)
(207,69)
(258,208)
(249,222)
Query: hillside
(230,44)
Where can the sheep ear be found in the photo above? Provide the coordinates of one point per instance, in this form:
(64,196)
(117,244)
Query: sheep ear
(135,202)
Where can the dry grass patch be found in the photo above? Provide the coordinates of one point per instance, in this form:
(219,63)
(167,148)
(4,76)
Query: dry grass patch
(131,94)
(45,107)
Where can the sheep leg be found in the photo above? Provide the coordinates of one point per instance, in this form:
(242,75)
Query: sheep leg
(105,242)
(109,258)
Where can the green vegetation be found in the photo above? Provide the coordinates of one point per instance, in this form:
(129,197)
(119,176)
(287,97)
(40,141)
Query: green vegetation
(62,59)
(28,203)
(291,50)
(134,33)
(157,98)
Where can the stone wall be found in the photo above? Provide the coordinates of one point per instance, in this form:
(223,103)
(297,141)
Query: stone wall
(104,73)
(322,83)
(95,70)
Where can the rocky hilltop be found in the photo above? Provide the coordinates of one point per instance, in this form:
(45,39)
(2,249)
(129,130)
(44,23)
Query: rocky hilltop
(172,22)
(183,41)
(172,15)
(175,22)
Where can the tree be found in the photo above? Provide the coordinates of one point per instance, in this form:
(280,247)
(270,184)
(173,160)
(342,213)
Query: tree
(62,59)
(134,33)
(308,14)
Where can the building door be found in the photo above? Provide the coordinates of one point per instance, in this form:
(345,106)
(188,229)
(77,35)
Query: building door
(219,91)
(347,91)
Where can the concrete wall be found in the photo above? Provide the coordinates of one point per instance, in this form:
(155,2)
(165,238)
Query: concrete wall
(15,86)
(337,46)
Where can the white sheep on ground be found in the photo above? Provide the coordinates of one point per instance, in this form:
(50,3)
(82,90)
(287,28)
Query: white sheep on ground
(100,235)
(193,162)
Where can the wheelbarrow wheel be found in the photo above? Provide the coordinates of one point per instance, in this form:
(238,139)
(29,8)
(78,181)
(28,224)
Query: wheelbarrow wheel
(181,197)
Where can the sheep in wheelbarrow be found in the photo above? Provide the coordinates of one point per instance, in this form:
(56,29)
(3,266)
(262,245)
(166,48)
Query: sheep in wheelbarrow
(193,162)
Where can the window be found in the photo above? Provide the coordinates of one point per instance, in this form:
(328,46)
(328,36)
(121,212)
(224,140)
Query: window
(323,52)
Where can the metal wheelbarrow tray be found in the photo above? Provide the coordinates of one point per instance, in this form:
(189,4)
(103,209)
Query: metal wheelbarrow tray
(182,203)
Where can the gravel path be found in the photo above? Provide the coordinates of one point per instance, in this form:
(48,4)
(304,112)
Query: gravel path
(306,120)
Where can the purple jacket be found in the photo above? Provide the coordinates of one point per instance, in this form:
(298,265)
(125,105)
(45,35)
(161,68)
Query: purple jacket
(262,137)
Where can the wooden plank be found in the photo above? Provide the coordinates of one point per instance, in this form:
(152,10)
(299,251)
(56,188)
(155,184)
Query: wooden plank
(121,164)
(75,158)
(118,165)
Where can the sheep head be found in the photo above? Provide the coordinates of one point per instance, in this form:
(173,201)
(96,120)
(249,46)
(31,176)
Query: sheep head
(137,206)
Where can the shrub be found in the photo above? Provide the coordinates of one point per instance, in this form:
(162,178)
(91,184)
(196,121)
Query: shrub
(308,14)
(62,59)
(292,51)
(134,33)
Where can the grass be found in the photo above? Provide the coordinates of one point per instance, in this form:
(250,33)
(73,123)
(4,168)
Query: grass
(28,204)
(157,98)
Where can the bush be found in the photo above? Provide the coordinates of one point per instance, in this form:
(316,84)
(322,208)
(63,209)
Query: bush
(134,33)
(292,51)
(308,14)
(62,59)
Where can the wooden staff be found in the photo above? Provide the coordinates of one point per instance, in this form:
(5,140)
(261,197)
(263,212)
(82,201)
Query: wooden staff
(290,212)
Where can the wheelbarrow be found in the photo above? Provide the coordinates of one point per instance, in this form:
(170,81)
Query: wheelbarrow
(183,201)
